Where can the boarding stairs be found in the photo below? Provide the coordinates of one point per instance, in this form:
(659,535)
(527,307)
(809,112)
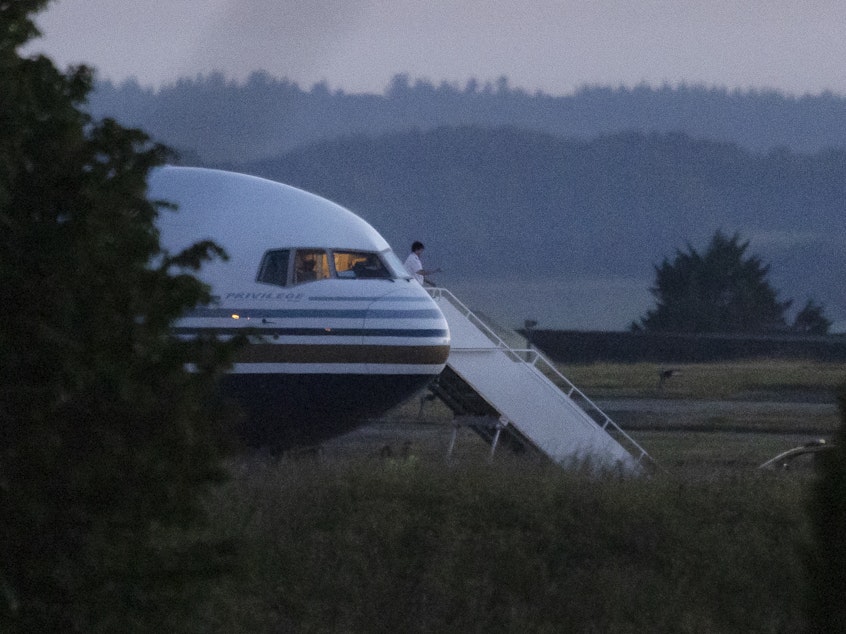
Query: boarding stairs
(517,398)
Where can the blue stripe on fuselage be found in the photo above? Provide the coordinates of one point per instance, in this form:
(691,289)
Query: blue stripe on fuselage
(319,332)
(309,313)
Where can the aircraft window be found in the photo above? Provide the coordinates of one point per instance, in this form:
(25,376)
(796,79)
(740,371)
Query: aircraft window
(359,264)
(274,268)
(310,265)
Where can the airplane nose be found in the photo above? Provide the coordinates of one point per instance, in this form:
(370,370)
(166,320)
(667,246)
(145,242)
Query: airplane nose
(409,332)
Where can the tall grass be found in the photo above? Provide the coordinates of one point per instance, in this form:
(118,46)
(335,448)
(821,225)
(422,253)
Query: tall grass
(405,545)
(351,542)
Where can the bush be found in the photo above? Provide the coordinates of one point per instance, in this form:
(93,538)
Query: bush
(826,557)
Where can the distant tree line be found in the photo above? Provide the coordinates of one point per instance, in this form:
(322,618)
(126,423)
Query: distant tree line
(215,119)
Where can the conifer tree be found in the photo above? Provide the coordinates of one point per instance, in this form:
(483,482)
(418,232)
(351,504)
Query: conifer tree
(722,290)
(106,441)
(810,320)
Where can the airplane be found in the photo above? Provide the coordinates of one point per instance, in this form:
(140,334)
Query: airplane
(344,332)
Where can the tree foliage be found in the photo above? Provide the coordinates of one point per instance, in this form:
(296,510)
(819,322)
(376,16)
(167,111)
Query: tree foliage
(721,290)
(826,557)
(811,320)
(106,441)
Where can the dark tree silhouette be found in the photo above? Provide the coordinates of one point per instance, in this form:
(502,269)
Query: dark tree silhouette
(106,441)
(825,608)
(810,320)
(223,120)
(721,290)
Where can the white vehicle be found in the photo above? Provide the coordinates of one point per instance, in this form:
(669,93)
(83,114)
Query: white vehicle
(345,333)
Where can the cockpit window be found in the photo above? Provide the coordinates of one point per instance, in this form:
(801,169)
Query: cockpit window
(310,265)
(359,264)
(283,267)
(274,267)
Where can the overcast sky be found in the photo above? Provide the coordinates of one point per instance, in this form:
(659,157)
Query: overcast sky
(556,46)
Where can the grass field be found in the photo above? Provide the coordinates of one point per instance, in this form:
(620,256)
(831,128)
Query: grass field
(380,531)
(738,413)
(757,379)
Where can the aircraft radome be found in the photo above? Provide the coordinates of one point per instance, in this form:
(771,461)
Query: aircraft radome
(345,332)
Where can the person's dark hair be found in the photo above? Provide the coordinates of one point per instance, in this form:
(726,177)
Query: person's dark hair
(416,245)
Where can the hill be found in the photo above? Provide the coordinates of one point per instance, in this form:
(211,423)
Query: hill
(214,119)
(527,224)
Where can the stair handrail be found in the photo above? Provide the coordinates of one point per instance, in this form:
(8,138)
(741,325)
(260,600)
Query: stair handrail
(538,356)
(439,291)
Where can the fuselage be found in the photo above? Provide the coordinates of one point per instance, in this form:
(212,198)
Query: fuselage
(341,331)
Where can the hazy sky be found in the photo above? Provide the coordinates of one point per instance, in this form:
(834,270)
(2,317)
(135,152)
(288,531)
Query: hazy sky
(552,45)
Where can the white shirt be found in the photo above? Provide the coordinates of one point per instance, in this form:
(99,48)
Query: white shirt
(413,265)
